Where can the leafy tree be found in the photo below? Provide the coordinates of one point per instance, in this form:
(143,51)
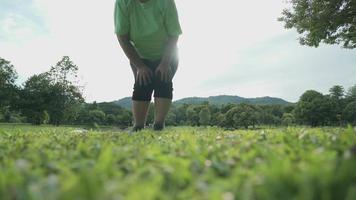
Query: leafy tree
(337,92)
(93,106)
(349,113)
(36,97)
(8,88)
(270,114)
(65,91)
(204,116)
(351,94)
(83,115)
(171,119)
(288,108)
(192,116)
(220,120)
(227,107)
(111,119)
(337,103)
(312,108)
(328,21)
(287,119)
(242,115)
(97,116)
(109,108)
(7,116)
(125,118)
(54,91)
(180,113)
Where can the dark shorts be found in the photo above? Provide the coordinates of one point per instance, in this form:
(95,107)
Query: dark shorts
(161,89)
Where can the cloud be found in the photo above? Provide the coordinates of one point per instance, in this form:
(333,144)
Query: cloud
(281,67)
(227,47)
(20,21)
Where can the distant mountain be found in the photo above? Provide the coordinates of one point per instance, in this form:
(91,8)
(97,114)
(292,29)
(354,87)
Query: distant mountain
(225,99)
(217,100)
(124,102)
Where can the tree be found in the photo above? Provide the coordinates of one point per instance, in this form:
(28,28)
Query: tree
(349,113)
(36,97)
(242,115)
(328,21)
(66,93)
(287,119)
(181,114)
(171,119)
(220,120)
(312,108)
(351,94)
(204,116)
(8,88)
(97,116)
(337,101)
(337,92)
(55,91)
(111,119)
(125,118)
(192,116)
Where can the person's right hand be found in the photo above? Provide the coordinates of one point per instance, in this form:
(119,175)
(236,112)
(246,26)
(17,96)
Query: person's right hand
(144,75)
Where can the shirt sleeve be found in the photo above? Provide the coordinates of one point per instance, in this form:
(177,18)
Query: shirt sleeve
(171,19)
(121,18)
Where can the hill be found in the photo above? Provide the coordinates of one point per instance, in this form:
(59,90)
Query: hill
(124,102)
(217,100)
(226,99)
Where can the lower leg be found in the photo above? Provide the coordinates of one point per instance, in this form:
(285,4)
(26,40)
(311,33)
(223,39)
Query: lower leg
(139,111)
(162,106)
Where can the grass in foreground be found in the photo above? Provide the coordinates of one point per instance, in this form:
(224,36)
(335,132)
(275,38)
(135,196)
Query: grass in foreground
(178,163)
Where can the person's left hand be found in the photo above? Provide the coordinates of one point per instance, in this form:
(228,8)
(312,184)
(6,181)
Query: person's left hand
(165,72)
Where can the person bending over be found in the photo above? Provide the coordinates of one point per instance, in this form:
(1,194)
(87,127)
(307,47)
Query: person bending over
(148,31)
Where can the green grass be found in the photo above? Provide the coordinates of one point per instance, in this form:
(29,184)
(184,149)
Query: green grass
(178,163)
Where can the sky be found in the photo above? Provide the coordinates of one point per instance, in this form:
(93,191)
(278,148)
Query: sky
(228,47)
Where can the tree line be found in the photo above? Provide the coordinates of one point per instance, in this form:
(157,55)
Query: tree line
(55,97)
(337,108)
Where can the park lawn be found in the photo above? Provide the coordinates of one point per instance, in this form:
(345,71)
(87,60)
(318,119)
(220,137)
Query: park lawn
(178,163)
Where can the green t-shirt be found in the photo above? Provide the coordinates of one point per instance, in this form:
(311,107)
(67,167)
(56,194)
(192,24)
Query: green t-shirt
(148,24)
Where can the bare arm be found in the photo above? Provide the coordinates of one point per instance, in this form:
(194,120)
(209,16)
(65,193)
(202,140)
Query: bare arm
(169,50)
(144,74)
(164,68)
(130,51)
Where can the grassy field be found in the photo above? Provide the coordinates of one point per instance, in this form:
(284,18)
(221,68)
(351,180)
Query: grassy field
(178,163)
